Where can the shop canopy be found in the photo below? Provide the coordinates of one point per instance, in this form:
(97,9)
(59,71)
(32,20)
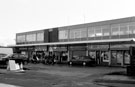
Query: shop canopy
(76,42)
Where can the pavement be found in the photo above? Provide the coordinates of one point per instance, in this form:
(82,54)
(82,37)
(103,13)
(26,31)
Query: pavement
(60,75)
(7,85)
(116,79)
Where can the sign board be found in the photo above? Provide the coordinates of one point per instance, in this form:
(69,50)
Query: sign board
(13,65)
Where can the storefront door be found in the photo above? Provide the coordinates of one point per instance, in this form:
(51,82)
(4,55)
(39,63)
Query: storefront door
(117,58)
(98,58)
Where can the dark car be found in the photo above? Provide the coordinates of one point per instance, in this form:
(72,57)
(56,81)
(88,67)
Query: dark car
(17,57)
(3,60)
(83,60)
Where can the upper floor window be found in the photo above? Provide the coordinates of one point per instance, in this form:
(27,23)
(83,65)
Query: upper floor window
(91,32)
(106,31)
(20,38)
(40,36)
(30,37)
(77,33)
(115,30)
(132,28)
(83,32)
(63,34)
(72,36)
(124,29)
(98,32)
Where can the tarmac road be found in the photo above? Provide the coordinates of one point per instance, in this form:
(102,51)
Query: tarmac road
(40,75)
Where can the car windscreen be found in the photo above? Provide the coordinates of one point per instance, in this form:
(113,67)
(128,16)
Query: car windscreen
(2,55)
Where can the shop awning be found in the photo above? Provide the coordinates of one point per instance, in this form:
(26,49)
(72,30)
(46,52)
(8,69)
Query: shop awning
(76,42)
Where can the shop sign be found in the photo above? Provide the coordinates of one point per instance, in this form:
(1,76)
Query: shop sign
(97,47)
(77,48)
(23,48)
(59,49)
(30,48)
(120,46)
(41,48)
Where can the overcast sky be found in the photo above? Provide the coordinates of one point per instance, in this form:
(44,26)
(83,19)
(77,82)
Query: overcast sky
(28,15)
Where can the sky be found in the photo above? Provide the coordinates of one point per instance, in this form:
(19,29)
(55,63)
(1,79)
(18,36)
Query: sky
(28,15)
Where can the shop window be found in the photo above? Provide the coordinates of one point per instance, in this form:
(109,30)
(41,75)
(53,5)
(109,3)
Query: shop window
(92,54)
(126,57)
(105,56)
(91,32)
(64,56)
(79,53)
(119,57)
(114,55)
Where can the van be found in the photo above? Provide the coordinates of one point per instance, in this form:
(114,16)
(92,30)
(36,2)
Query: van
(3,53)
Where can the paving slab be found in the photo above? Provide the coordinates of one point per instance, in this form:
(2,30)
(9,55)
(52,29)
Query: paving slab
(116,79)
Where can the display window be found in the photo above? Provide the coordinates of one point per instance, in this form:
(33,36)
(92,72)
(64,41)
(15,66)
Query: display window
(119,57)
(92,54)
(126,57)
(105,56)
(79,53)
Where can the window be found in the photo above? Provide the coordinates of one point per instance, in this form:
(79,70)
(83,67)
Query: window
(63,34)
(77,33)
(72,34)
(31,37)
(40,36)
(115,30)
(105,56)
(126,57)
(106,31)
(20,38)
(124,29)
(83,33)
(132,28)
(91,32)
(98,32)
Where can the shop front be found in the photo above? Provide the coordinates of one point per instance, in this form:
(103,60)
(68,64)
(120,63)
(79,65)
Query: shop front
(60,53)
(100,53)
(120,54)
(77,51)
(40,52)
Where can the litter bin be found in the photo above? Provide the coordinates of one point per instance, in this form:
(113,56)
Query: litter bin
(131,70)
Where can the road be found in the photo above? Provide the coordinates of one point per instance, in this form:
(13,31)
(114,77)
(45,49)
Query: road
(39,75)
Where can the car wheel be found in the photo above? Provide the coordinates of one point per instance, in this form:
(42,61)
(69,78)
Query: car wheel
(70,63)
(84,63)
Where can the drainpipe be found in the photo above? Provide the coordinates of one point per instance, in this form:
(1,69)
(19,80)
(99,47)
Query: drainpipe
(109,55)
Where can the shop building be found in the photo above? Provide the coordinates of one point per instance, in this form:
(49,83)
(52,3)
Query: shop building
(106,41)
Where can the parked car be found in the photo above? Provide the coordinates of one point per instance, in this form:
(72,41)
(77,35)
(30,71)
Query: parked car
(3,60)
(15,56)
(83,60)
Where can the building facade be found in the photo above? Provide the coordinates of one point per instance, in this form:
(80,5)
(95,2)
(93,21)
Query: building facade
(106,41)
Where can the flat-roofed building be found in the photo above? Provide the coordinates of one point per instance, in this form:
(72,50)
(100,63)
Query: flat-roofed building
(106,41)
